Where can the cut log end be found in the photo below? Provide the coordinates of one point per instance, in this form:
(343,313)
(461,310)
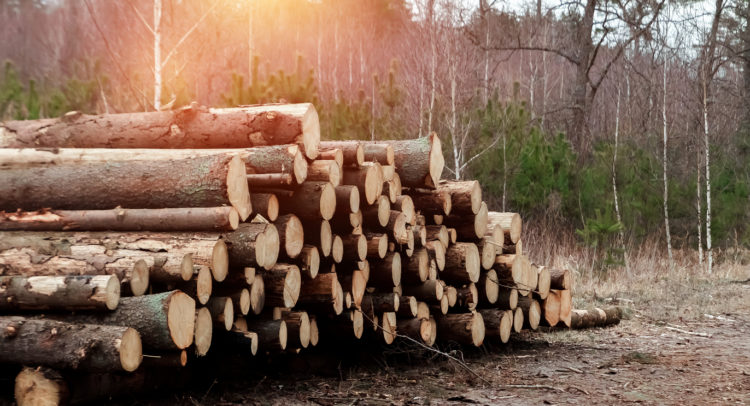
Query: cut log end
(203,331)
(220,261)
(203,285)
(437,161)
(238,192)
(131,350)
(300,167)
(181,319)
(111,291)
(187,267)
(139,278)
(337,249)
(40,386)
(311,132)
(327,201)
(257,295)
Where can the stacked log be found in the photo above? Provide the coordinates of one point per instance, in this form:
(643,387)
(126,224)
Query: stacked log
(260,238)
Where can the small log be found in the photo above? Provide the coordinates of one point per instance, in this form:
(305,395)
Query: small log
(543,281)
(337,249)
(431,202)
(236,343)
(392,188)
(347,196)
(488,287)
(368,178)
(220,178)
(377,214)
(333,154)
(461,263)
(322,294)
(498,324)
(550,308)
(87,292)
(453,235)
(166,320)
(265,204)
(297,325)
(386,272)
(428,291)
(467,297)
(408,306)
(418,329)
(560,279)
(60,344)
(496,236)
(353,152)
(510,270)
(507,298)
(396,227)
(596,317)
(291,235)
(469,227)
(314,331)
(319,234)
(423,310)
(257,294)
(464,328)
(532,312)
(253,244)
(452,294)
(419,162)
(324,171)
(222,311)
(223,218)
(283,283)
(355,247)
(308,262)
(437,250)
(380,302)
(272,334)
(203,331)
(241,301)
(312,201)
(466,196)
(417,267)
(388,326)
(355,284)
(518,320)
(405,205)
(381,153)
(510,222)
(377,245)
(200,287)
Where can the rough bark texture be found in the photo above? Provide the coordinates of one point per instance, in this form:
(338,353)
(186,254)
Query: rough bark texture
(98,292)
(272,334)
(498,324)
(461,263)
(253,244)
(265,204)
(354,154)
(190,127)
(311,200)
(464,328)
(466,196)
(323,293)
(431,202)
(283,283)
(429,291)
(66,345)
(596,317)
(206,181)
(419,162)
(381,153)
(469,227)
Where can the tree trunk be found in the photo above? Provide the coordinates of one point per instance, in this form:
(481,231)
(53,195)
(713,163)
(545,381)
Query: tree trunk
(189,127)
(595,318)
(581,94)
(161,220)
(464,328)
(207,181)
(71,346)
(166,320)
(99,292)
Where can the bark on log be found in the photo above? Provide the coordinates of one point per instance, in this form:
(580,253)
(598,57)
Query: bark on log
(308,262)
(311,200)
(386,272)
(354,153)
(469,227)
(297,326)
(265,181)
(203,332)
(377,245)
(419,162)
(319,234)
(464,328)
(405,205)
(407,307)
(498,324)
(488,287)
(206,181)
(368,178)
(272,334)
(461,263)
(510,270)
(324,171)
(291,235)
(417,267)
(428,291)
(532,312)
(200,287)
(265,204)
(510,222)
(388,326)
(381,153)
(355,247)
(507,298)
(596,317)
(431,202)
(322,294)
(347,196)
(88,292)
(283,283)
(560,279)
(71,346)
(380,302)
(465,196)
(189,127)
(378,214)
(467,297)
(332,154)
(253,244)
(166,320)
(418,329)
(438,233)
(165,220)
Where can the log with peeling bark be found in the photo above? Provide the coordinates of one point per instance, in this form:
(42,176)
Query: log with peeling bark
(265,204)
(469,227)
(430,202)
(507,298)
(283,283)
(368,178)
(85,292)
(464,328)
(560,279)
(353,152)
(166,320)
(488,288)
(419,162)
(510,222)
(218,219)
(386,273)
(498,324)
(347,196)
(596,317)
(428,291)
(377,245)
(203,333)
(291,235)
(466,196)
(322,294)
(253,244)
(461,263)
(206,181)
(66,345)
(272,334)
(532,312)
(297,325)
(190,127)
(311,200)
(324,171)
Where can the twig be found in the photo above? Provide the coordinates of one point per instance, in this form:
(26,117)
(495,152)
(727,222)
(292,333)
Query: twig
(530,387)
(692,333)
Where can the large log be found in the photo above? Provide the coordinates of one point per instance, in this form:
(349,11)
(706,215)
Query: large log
(98,292)
(469,227)
(431,202)
(368,178)
(596,317)
(353,152)
(510,222)
(386,272)
(72,346)
(464,328)
(205,181)
(166,320)
(322,294)
(466,196)
(181,219)
(283,283)
(253,244)
(189,127)
(461,263)
(498,323)
(419,162)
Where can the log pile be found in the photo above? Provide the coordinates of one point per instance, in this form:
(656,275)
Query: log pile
(130,242)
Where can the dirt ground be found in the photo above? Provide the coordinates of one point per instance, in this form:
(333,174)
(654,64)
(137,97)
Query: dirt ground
(680,356)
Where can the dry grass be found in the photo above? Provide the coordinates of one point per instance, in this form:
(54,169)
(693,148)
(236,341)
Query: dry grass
(647,285)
